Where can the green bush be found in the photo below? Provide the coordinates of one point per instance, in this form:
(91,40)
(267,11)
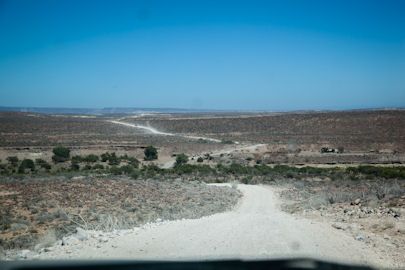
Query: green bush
(74,166)
(150,153)
(61,154)
(91,158)
(39,161)
(87,167)
(98,167)
(77,159)
(181,159)
(13,161)
(113,159)
(200,159)
(43,164)
(26,164)
(135,174)
(105,156)
(115,170)
(127,169)
(133,162)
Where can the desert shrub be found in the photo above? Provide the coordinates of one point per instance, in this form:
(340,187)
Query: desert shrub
(61,154)
(113,159)
(135,174)
(20,242)
(98,167)
(249,158)
(200,159)
(235,168)
(115,170)
(77,159)
(246,180)
(181,159)
(74,166)
(259,161)
(39,161)
(4,170)
(184,168)
(13,161)
(371,172)
(87,167)
(341,149)
(91,158)
(104,157)
(133,162)
(227,142)
(26,164)
(150,153)
(43,164)
(46,166)
(151,170)
(127,169)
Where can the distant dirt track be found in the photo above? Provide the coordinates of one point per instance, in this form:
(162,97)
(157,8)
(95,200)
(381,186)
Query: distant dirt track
(256,228)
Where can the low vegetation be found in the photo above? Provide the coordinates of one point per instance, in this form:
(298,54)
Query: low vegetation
(151,153)
(33,209)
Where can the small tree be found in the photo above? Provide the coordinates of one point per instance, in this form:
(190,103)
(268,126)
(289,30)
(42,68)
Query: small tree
(341,149)
(181,159)
(26,164)
(200,159)
(105,157)
(113,159)
(61,154)
(150,153)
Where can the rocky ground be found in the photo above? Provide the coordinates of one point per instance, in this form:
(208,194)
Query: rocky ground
(35,214)
(377,220)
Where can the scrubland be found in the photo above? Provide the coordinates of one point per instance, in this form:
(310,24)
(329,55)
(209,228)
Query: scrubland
(358,188)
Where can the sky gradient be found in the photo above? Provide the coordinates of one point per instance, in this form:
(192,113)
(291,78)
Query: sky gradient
(232,55)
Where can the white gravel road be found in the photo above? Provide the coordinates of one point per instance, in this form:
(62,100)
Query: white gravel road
(256,228)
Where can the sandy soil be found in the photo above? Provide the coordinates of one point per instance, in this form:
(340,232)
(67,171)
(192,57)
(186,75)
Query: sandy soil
(256,228)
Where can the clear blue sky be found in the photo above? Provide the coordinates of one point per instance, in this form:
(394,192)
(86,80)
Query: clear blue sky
(264,55)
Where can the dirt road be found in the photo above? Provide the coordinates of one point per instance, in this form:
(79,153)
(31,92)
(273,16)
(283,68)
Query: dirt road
(154,131)
(256,228)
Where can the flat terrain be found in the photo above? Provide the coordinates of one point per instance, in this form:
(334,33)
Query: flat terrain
(256,228)
(330,207)
(367,137)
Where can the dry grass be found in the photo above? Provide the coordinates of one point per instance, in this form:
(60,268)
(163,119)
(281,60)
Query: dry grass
(60,206)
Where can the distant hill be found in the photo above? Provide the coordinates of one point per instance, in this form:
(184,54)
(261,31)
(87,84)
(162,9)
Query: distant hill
(97,111)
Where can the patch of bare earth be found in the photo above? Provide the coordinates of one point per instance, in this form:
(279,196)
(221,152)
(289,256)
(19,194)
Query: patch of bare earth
(372,212)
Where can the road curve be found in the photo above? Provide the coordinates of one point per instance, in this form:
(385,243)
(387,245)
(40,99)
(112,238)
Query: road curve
(255,229)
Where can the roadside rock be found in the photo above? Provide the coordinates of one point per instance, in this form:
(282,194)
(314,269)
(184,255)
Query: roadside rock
(357,202)
(69,240)
(401,230)
(102,239)
(25,253)
(80,234)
